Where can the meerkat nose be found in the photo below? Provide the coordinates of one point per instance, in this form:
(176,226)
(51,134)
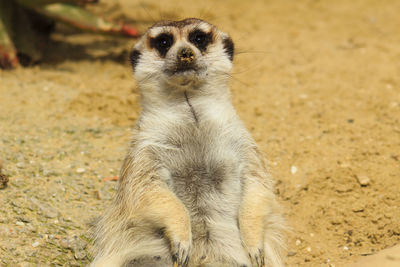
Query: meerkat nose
(185,55)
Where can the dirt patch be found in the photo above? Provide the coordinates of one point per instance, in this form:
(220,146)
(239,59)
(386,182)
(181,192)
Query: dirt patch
(121,111)
(316,82)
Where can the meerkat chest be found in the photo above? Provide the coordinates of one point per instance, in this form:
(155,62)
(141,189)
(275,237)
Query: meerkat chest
(204,154)
(203,159)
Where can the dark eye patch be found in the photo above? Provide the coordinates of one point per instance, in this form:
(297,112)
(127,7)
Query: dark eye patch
(200,39)
(162,43)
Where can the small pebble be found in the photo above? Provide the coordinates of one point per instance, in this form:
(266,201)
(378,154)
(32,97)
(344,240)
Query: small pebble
(303,96)
(80,255)
(298,242)
(80,170)
(35,244)
(308,249)
(20,165)
(358,207)
(20,223)
(345,248)
(363,180)
(293,169)
(64,243)
(46,172)
(47,210)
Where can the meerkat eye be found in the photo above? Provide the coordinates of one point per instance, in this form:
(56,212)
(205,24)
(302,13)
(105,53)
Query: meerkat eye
(162,43)
(200,39)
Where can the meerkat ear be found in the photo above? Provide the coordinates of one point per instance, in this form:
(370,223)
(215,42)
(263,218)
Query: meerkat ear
(134,57)
(229,47)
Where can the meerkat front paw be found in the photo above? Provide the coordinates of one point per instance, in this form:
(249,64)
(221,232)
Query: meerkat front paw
(180,254)
(257,257)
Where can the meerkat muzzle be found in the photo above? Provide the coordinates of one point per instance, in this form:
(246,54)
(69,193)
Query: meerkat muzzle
(186,56)
(185,61)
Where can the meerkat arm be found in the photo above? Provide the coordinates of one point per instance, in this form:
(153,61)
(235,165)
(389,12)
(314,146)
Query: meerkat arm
(161,208)
(152,203)
(258,202)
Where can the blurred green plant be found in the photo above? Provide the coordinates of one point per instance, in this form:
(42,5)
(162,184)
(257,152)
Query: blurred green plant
(25,25)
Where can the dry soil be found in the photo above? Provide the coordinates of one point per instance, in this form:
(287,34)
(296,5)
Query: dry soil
(316,82)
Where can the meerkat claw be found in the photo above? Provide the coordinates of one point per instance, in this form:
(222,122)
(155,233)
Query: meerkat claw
(181,264)
(258,258)
(181,257)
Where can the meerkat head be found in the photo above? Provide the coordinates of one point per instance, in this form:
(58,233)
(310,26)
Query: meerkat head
(182,55)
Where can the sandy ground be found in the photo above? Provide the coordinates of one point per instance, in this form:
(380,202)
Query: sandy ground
(316,82)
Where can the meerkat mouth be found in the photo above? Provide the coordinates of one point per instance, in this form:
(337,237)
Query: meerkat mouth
(184,79)
(184,70)
(184,75)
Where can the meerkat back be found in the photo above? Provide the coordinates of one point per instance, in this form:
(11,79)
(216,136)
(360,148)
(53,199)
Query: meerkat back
(194,189)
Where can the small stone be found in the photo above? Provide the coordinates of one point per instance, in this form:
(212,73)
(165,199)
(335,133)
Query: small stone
(64,243)
(80,170)
(97,194)
(80,255)
(363,180)
(298,242)
(344,164)
(35,244)
(47,172)
(358,207)
(47,210)
(343,188)
(23,219)
(308,249)
(303,96)
(20,165)
(20,223)
(77,244)
(345,248)
(336,221)
(291,254)
(293,169)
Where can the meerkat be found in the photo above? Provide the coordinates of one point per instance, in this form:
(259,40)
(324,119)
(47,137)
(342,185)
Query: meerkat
(194,188)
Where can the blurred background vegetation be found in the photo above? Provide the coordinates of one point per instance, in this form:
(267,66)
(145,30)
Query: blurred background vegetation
(26,24)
